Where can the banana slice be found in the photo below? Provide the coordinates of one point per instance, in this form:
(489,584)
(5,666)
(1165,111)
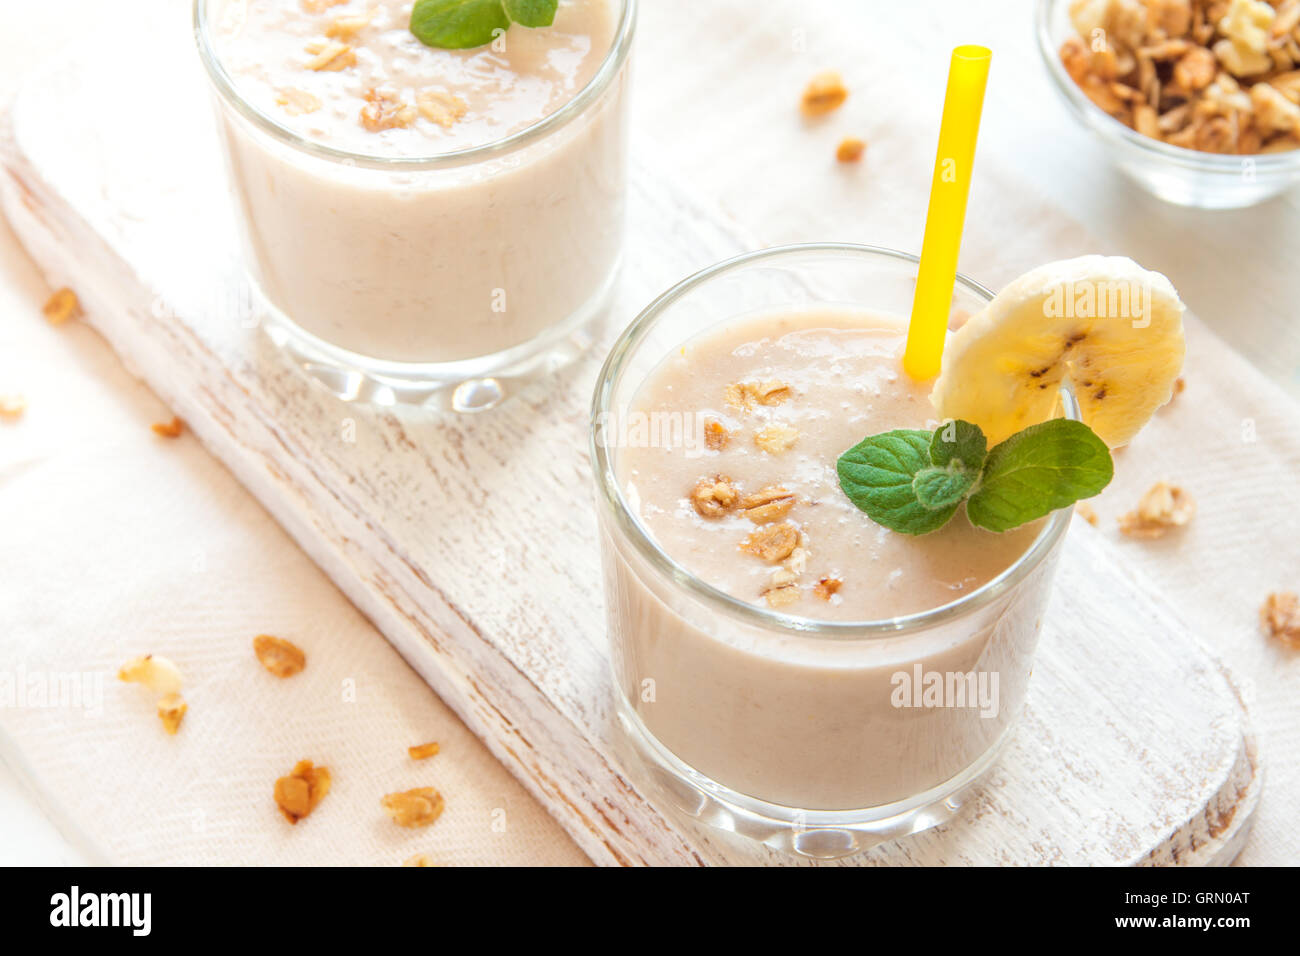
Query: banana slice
(1110,328)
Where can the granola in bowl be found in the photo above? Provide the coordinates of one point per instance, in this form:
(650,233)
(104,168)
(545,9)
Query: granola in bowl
(1196,100)
(1218,76)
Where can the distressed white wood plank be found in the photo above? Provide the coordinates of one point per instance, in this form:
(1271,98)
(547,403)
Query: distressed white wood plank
(471,543)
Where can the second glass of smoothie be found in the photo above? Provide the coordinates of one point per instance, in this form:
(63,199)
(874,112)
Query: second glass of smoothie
(786,668)
(429,226)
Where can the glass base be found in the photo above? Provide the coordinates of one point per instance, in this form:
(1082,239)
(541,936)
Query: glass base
(815,834)
(468,385)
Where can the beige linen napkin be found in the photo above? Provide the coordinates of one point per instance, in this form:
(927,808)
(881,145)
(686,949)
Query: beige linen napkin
(117,542)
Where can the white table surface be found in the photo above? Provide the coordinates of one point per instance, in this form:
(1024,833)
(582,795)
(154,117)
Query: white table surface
(1235,269)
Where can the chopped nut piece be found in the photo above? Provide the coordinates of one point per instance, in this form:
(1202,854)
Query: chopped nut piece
(827,587)
(414,808)
(320,6)
(1280,617)
(420,859)
(1084,511)
(171,710)
(850,149)
(12,407)
(298,794)
(282,658)
(782,595)
(1196,69)
(824,94)
(712,496)
(171,429)
(1274,113)
(716,436)
(441,107)
(330,56)
(154,671)
(345,28)
(61,306)
(776,438)
(773,542)
(1162,508)
(770,504)
(385,110)
(423,751)
(296,102)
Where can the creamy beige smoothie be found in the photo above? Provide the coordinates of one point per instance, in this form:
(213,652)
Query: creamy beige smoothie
(423,262)
(746,499)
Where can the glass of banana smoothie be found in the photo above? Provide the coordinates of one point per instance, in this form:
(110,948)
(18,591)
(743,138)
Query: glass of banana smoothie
(429,224)
(785,668)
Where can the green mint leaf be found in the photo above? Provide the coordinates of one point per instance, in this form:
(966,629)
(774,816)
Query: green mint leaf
(457,24)
(1038,470)
(959,441)
(878,475)
(531,13)
(938,488)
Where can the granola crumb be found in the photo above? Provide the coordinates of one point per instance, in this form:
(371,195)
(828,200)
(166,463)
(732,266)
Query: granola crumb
(420,859)
(828,587)
(171,429)
(154,671)
(1280,617)
(330,56)
(171,711)
(772,542)
(824,94)
(851,149)
(346,28)
(62,306)
(769,504)
(298,794)
(782,595)
(716,435)
(713,496)
(282,658)
(12,407)
(1163,508)
(745,395)
(1086,512)
(441,107)
(296,102)
(414,808)
(776,438)
(385,110)
(423,751)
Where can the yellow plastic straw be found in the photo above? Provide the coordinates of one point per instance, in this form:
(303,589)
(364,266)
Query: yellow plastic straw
(967,77)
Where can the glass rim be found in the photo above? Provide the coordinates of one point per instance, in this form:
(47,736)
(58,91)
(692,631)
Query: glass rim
(611,495)
(1095,117)
(610,68)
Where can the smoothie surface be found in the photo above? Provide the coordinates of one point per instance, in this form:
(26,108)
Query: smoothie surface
(352,76)
(791,393)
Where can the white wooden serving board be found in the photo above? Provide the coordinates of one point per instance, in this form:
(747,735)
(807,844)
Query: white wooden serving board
(471,542)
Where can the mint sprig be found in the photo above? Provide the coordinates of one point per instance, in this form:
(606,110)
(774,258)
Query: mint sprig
(465,24)
(914,481)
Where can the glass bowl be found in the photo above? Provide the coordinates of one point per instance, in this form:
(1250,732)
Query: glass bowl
(1186,177)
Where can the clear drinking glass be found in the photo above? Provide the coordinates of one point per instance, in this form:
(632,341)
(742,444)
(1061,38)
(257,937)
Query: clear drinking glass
(449,280)
(779,728)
